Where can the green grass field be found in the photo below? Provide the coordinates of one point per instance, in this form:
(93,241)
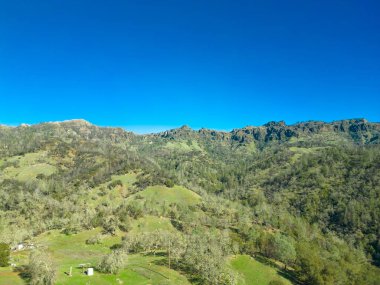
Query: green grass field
(127,179)
(182,146)
(27,167)
(164,195)
(252,271)
(330,138)
(151,223)
(8,277)
(300,151)
(115,195)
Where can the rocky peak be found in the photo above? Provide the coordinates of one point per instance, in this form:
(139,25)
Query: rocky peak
(275,124)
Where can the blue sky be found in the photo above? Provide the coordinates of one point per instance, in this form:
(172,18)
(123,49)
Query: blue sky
(151,65)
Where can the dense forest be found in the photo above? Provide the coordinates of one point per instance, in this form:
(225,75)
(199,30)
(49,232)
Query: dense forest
(305,196)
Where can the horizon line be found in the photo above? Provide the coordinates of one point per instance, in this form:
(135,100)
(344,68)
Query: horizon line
(155,129)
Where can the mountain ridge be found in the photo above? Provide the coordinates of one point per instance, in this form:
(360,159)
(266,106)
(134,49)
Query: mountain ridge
(351,131)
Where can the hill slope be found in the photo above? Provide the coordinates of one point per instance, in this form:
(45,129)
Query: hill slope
(305,195)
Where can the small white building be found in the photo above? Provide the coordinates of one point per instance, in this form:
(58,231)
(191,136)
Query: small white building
(90,271)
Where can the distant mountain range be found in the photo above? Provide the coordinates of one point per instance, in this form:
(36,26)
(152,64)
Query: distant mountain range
(356,131)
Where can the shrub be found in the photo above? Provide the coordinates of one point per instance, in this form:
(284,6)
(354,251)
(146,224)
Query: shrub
(169,183)
(115,183)
(97,239)
(4,254)
(113,262)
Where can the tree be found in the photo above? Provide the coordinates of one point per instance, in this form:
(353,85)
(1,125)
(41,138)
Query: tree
(4,254)
(174,244)
(97,239)
(265,244)
(41,268)
(113,262)
(205,256)
(284,249)
(110,224)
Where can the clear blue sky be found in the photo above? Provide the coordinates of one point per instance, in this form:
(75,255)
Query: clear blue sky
(148,65)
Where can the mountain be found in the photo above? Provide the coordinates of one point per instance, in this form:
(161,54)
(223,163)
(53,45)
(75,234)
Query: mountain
(354,130)
(305,196)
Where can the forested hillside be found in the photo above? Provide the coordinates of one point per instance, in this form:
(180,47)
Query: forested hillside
(304,198)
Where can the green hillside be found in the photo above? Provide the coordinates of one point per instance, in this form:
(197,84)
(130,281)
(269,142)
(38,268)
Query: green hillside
(294,204)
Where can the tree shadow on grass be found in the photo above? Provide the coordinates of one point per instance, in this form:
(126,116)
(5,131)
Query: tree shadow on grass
(181,269)
(286,273)
(158,254)
(162,261)
(23,272)
(116,246)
